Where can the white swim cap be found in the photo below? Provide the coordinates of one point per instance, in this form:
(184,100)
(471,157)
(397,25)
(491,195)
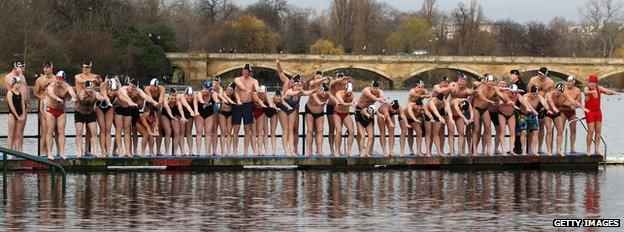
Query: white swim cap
(154,81)
(372,109)
(189,90)
(262,89)
(349,87)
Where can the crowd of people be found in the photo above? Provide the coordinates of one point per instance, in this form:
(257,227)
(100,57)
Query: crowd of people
(165,119)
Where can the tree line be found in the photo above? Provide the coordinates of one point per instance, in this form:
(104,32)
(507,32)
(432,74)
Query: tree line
(132,36)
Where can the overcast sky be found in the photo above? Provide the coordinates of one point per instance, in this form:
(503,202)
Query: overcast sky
(518,10)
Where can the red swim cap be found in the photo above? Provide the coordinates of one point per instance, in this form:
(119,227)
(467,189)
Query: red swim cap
(592,78)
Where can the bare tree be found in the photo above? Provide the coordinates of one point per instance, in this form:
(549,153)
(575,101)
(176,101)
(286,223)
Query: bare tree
(605,17)
(467,21)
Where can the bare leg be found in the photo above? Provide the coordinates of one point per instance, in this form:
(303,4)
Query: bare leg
(332,130)
(337,135)
(461,140)
(572,135)
(60,122)
(549,135)
(199,134)
(51,123)
(349,124)
(381,123)
(127,123)
(428,136)
(597,136)
(165,123)
(591,129)
(175,127)
(309,120)
(511,123)
(119,128)
(559,121)
(79,145)
(319,135)
(94,139)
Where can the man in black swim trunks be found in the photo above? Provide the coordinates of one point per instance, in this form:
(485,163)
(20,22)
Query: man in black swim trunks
(243,111)
(370,95)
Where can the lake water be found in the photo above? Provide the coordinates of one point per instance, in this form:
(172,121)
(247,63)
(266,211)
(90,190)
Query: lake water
(289,200)
(613,108)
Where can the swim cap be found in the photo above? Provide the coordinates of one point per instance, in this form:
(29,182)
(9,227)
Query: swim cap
(48,64)
(262,89)
(349,87)
(318,73)
(395,104)
(371,110)
(113,85)
(296,79)
(232,85)
(543,71)
(420,82)
(339,74)
(87,63)
(135,82)
(247,67)
(15,80)
(513,88)
(464,105)
(489,77)
(571,78)
(462,76)
(534,89)
(154,81)
(559,87)
(445,79)
(278,93)
(324,87)
(375,83)
(592,78)
(89,84)
(18,64)
(207,85)
(188,90)
(173,90)
(515,72)
(61,74)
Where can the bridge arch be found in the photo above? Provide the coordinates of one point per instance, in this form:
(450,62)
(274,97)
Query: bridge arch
(414,76)
(612,79)
(287,71)
(362,67)
(560,75)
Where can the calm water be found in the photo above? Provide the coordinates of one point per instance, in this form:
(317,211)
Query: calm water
(612,129)
(287,200)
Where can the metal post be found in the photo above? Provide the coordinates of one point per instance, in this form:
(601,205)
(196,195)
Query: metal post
(4,178)
(304,133)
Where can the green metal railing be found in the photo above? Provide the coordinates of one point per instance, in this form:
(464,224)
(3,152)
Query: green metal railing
(53,166)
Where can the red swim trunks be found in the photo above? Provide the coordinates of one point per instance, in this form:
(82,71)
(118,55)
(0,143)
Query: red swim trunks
(593,116)
(55,112)
(569,113)
(258,111)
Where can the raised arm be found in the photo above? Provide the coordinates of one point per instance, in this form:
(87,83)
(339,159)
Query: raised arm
(280,72)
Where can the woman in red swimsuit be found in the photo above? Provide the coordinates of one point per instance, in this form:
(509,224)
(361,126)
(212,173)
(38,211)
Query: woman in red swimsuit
(593,115)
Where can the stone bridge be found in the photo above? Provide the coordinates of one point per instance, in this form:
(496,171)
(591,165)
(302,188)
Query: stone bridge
(198,67)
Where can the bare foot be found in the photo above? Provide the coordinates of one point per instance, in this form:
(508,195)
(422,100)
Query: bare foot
(63,156)
(50,157)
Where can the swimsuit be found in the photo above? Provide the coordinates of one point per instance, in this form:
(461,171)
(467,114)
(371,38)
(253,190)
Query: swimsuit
(568,113)
(17,104)
(294,103)
(84,118)
(243,113)
(258,111)
(206,109)
(593,105)
(270,112)
(330,109)
(314,115)
(342,115)
(361,119)
(55,112)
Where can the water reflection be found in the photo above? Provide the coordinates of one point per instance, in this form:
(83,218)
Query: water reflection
(286,200)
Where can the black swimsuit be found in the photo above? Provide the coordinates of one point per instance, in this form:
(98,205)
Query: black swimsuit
(17,104)
(314,115)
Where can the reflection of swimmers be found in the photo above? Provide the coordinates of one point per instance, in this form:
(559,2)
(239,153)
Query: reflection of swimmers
(593,114)
(56,117)
(345,99)
(17,115)
(85,115)
(40,92)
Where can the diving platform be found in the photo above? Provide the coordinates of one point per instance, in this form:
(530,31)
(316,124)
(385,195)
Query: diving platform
(210,163)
